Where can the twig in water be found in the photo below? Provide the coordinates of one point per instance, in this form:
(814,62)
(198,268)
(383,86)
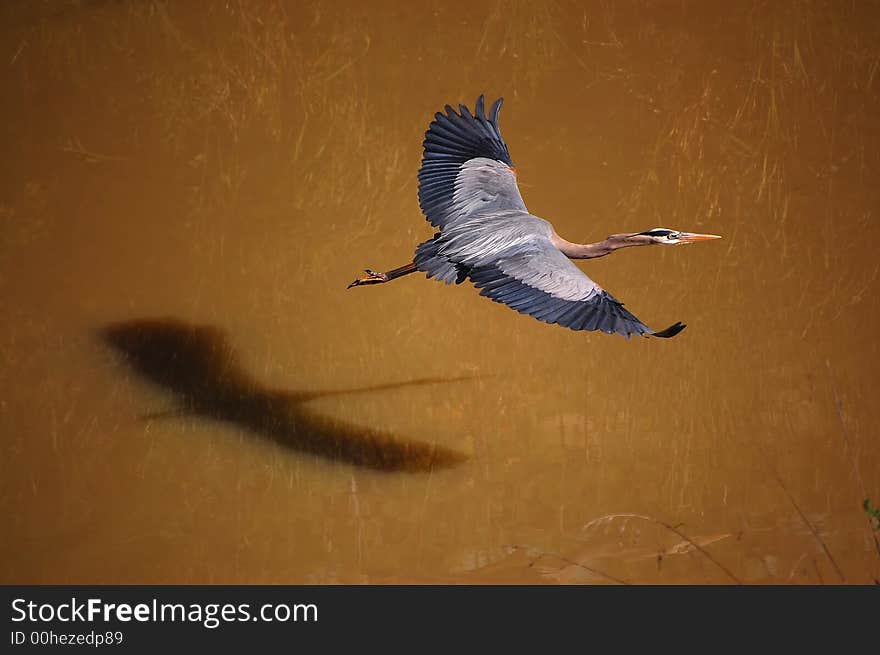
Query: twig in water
(673,529)
(809,525)
(75,147)
(543,553)
(838,405)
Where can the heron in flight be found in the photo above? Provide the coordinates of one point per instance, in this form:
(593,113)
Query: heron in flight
(468,191)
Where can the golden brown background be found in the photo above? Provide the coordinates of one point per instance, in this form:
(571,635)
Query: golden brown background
(214,174)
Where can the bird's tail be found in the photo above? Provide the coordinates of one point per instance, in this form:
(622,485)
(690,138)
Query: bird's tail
(435,265)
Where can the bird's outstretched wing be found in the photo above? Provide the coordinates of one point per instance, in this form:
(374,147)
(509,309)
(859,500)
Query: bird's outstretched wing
(537,279)
(467,189)
(466,167)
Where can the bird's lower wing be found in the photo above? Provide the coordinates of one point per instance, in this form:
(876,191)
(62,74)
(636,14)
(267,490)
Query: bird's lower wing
(538,280)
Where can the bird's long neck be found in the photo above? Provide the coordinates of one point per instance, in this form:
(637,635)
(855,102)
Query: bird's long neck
(600,248)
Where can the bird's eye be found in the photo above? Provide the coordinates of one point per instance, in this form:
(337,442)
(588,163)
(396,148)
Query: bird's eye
(672,236)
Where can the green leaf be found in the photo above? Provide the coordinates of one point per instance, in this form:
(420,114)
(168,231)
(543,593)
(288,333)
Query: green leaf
(872,511)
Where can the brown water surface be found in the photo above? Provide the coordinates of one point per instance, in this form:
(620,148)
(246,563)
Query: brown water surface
(189,394)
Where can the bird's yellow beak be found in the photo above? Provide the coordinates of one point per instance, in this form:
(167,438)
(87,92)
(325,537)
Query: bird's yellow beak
(688,237)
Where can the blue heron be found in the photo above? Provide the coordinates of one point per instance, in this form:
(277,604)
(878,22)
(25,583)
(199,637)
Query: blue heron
(468,191)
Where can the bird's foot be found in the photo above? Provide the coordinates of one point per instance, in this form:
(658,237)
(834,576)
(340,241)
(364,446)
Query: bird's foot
(371,277)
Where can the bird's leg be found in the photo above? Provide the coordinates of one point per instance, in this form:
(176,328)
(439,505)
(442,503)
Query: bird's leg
(374,277)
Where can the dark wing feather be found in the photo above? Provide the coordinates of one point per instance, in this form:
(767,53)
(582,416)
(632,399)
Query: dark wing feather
(538,280)
(453,139)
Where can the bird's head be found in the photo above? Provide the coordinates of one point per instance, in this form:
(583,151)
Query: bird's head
(669,237)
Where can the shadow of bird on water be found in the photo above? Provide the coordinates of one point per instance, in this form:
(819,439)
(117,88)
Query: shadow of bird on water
(197,364)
